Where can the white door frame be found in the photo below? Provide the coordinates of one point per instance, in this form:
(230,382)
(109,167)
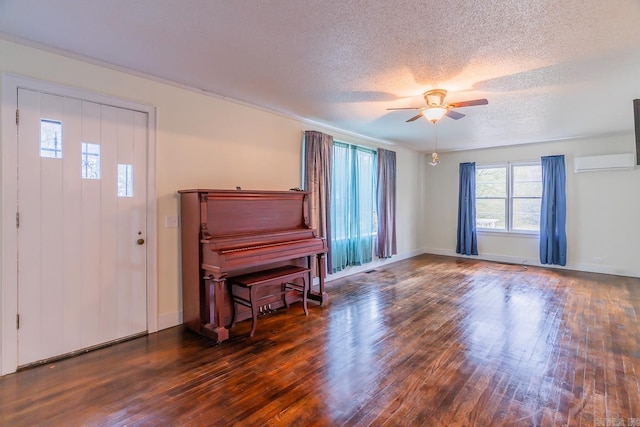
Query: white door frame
(9,199)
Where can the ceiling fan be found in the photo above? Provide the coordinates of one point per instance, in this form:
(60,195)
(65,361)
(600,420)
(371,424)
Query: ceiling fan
(436,108)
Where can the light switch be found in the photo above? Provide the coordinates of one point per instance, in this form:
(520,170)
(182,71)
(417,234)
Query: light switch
(171,221)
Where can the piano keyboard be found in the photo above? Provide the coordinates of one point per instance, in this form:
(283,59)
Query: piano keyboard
(268,245)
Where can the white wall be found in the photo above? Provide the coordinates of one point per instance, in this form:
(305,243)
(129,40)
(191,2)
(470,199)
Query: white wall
(206,142)
(602,207)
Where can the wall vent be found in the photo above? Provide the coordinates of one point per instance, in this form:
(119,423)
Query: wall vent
(609,162)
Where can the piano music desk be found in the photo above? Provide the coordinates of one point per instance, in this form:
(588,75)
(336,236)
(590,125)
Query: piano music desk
(283,276)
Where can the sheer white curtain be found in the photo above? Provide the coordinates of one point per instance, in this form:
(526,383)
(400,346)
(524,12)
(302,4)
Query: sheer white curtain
(353,205)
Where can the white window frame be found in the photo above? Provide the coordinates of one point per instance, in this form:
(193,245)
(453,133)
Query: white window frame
(509,166)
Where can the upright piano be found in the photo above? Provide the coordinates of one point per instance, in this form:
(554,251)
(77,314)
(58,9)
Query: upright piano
(226,233)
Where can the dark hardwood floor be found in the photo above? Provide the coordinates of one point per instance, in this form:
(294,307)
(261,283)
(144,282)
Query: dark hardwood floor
(432,341)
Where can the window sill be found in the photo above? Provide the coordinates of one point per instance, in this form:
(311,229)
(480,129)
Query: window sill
(519,234)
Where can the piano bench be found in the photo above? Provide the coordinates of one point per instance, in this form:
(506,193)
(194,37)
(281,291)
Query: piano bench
(284,276)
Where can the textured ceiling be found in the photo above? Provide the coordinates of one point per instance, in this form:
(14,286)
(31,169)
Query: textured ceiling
(550,69)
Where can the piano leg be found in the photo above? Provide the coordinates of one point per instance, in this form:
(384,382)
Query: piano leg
(253,296)
(320,296)
(215,301)
(306,284)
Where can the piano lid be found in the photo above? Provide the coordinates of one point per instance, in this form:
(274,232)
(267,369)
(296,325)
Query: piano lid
(230,259)
(246,212)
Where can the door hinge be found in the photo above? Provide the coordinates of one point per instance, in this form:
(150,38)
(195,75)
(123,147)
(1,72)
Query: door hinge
(17,219)
(17,321)
(17,117)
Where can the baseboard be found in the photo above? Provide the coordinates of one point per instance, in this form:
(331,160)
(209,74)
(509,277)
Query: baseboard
(607,269)
(373,265)
(589,268)
(169,320)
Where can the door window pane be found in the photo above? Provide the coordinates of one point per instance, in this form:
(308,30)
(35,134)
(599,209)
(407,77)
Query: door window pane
(125,180)
(90,161)
(50,139)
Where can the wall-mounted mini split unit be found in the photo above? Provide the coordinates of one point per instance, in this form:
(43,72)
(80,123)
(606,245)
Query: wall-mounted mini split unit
(608,162)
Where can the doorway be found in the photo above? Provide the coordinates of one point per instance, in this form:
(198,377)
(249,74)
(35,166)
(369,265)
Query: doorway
(85,223)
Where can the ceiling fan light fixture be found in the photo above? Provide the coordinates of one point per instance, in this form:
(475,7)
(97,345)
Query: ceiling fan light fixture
(433,114)
(436,108)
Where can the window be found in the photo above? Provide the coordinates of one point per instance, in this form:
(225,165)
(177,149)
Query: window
(526,197)
(491,197)
(508,197)
(50,139)
(353,205)
(125,180)
(90,160)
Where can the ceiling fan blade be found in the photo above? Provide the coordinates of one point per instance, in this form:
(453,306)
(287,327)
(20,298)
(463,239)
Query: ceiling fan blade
(470,103)
(406,108)
(454,114)
(416,117)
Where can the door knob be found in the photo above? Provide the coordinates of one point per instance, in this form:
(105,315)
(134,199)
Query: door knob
(140,241)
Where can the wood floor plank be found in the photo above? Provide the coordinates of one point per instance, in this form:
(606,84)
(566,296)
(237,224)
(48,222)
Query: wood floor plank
(430,340)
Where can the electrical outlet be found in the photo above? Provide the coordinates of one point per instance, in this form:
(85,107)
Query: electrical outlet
(171,221)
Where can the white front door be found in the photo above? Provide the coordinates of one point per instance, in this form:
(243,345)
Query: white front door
(82,191)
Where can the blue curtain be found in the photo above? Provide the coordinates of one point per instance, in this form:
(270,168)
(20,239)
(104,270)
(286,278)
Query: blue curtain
(467,240)
(352,206)
(553,212)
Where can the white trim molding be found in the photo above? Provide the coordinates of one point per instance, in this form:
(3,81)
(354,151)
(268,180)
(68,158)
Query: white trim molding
(535,262)
(376,263)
